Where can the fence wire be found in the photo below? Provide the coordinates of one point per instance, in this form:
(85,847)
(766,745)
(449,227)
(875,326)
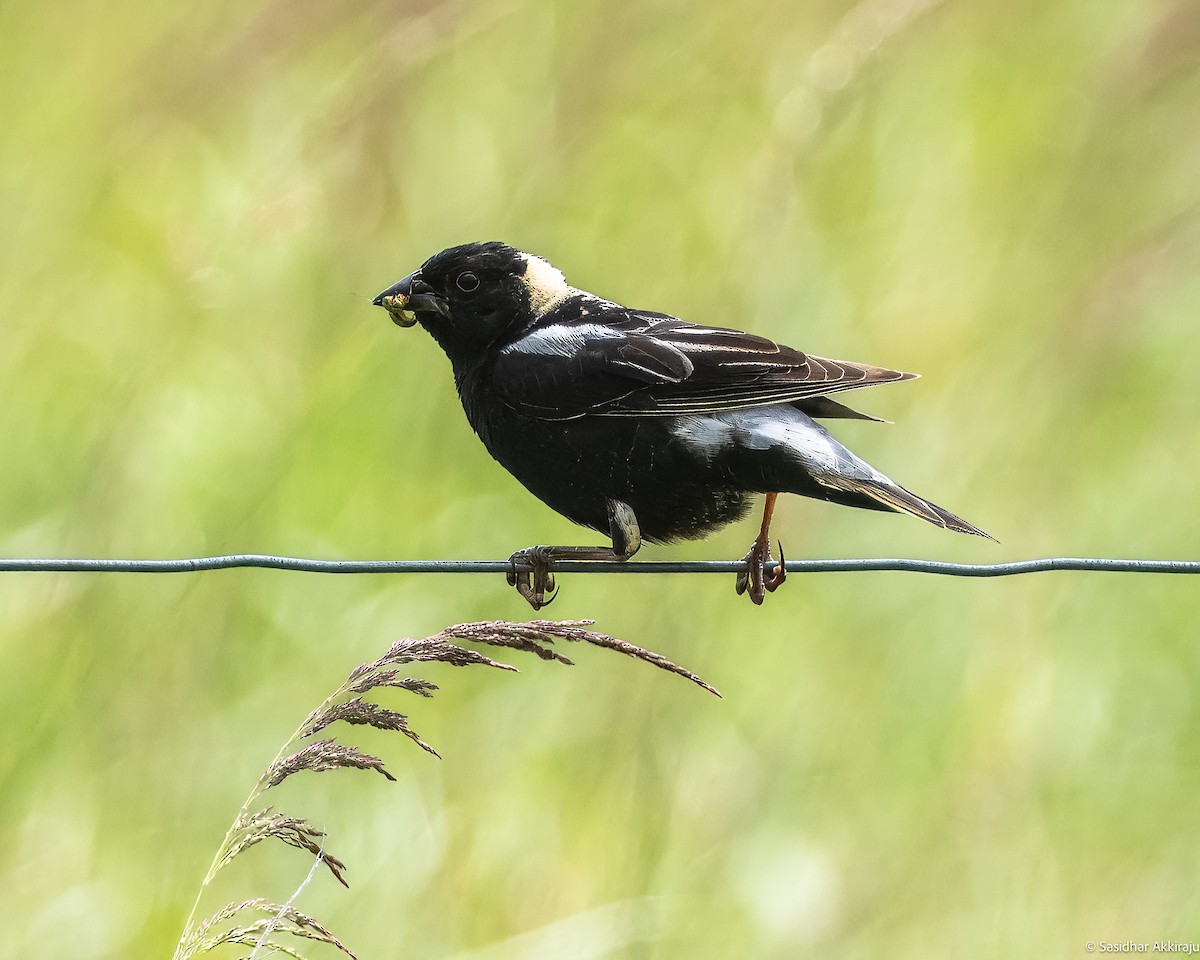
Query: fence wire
(306,565)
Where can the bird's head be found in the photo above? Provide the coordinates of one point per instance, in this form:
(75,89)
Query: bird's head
(469,296)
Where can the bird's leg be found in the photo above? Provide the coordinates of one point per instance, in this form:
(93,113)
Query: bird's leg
(537,584)
(755,579)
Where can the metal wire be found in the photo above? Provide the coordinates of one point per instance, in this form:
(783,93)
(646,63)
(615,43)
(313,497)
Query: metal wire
(265,561)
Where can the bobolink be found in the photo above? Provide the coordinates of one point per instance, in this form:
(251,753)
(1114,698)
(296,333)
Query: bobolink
(637,423)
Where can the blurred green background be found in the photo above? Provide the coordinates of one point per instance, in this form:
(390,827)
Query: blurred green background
(197,203)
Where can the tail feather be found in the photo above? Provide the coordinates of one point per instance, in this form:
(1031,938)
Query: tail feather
(894,497)
(781,448)
(822,408)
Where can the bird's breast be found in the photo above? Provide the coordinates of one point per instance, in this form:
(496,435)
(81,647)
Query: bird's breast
(575,466)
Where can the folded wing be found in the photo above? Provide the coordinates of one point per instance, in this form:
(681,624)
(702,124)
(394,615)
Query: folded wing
(616,362)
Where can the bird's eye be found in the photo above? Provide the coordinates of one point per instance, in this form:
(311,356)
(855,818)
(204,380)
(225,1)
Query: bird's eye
(467,282)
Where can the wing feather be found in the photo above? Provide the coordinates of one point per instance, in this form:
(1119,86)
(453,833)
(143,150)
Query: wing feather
(604,360)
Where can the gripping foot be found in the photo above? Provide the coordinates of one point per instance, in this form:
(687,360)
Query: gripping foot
(536,585)
(756,580)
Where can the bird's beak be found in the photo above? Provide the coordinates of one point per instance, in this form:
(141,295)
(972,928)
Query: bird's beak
(404,300)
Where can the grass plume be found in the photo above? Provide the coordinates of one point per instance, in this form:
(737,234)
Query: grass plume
(258,923)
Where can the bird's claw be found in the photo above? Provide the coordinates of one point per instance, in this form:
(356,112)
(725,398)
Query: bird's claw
(775,578)
(536,585)
(756,580)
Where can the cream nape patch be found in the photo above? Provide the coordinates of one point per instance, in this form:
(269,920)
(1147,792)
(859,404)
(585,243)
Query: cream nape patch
(545,283)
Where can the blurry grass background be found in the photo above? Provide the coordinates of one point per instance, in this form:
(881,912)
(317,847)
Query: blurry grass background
(197,204)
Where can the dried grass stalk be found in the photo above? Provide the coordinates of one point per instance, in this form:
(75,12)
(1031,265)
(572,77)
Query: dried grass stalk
(536,635)
(346,705)
(281,918)
(320,756)
(358,711)
(251,828)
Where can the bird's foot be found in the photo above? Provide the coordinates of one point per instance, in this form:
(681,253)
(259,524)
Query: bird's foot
(537,583)
(756,579)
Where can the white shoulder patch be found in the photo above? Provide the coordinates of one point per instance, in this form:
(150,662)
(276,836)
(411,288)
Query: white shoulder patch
(546,284)
(560,340)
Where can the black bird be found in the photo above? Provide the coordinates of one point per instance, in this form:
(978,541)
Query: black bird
(636,423)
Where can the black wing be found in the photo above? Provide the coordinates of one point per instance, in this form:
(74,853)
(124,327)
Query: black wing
(600,359)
